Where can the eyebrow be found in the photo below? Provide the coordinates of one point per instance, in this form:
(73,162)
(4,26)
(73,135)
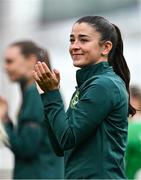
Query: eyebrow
(80,35)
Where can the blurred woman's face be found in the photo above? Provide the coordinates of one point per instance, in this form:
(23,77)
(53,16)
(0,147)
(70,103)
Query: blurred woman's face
(16,65)
(136,102)
(85,48)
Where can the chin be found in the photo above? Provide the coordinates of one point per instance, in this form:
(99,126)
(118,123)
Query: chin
(13,78)
(76,65)
(79,65)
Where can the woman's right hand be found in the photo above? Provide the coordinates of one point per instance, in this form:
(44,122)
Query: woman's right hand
(47,80)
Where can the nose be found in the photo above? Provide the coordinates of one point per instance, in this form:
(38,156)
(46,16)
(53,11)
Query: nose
(75,46)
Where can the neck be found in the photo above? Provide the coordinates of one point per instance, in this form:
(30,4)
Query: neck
(97,62)
(102,59)
(29,82)
(25,82)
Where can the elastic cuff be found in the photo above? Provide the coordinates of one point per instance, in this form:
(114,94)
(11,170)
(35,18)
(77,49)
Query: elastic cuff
(50,96)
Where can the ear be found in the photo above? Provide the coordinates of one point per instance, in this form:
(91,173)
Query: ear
(107,46)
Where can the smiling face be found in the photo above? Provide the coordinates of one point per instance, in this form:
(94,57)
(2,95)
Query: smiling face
(85,48)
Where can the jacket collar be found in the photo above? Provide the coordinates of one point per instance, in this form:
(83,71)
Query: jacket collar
(87,72)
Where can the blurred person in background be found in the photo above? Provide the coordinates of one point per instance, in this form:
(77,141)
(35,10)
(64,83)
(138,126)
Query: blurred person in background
(34,157)
(92,135)
(133,152)
(3,134)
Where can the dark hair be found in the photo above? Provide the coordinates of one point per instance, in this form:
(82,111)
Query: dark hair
(110,32)
(29,48)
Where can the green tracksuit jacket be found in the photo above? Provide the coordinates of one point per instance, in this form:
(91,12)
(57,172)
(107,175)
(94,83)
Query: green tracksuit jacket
(34,157)
(92,135)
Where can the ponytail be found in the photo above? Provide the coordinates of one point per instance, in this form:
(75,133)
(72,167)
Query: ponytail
(117,60)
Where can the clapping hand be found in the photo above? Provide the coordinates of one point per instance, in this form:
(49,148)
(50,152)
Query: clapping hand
(47,80)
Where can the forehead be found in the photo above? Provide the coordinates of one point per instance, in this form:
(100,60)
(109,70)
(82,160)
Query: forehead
(83,28)
(12,52)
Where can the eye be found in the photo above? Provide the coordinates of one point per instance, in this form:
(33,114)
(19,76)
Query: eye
(9,61)
(84,40)
(71,40)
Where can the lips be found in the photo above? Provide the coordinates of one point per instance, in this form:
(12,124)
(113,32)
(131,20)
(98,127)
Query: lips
(76,54)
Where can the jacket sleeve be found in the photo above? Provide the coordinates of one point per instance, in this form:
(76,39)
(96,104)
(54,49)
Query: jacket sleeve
(91,109)
(53,140)
(25,139)
(26,143)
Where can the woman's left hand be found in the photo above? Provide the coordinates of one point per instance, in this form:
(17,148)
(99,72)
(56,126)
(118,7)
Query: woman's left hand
(47,80)
(3,109)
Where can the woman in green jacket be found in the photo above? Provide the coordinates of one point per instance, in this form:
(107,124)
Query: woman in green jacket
(34,156)
(92,135)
